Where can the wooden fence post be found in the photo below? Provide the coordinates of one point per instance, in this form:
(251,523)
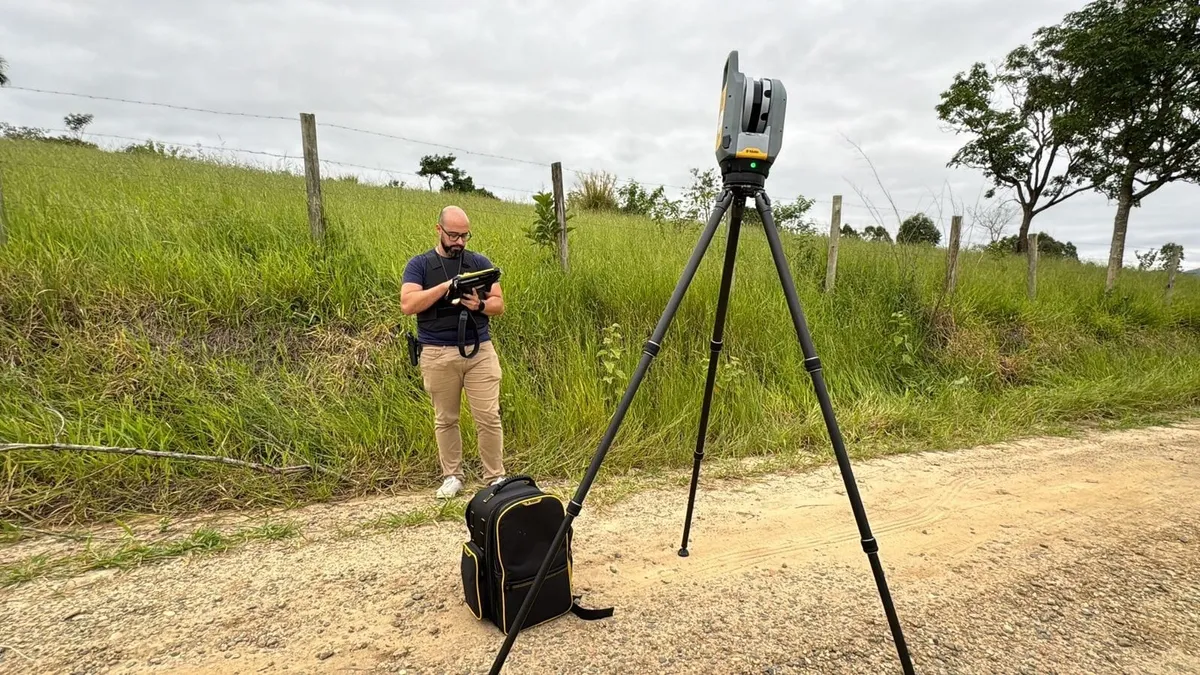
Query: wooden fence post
(3,222)
(560,213)
(1172,269)
(835,235)
(312,176)
(952,253)
(1031,278)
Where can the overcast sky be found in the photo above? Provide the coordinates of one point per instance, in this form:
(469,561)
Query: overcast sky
(630,87)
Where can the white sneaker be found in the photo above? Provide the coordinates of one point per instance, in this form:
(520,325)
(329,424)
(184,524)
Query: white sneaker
(450,488)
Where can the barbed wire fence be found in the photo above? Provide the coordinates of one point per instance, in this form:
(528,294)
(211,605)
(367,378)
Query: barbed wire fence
(316,170)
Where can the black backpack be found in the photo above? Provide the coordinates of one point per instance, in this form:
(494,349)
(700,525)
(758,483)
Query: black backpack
(511,526)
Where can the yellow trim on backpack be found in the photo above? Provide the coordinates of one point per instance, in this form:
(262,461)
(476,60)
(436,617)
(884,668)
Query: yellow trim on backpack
(503,573)
(478,598)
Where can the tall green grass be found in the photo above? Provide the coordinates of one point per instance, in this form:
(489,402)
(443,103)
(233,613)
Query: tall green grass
(172,304)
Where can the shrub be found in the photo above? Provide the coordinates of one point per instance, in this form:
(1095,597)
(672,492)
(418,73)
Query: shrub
(544,230)
(918,229)
(596,191)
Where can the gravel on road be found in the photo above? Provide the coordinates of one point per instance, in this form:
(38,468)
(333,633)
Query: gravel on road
(1048,555)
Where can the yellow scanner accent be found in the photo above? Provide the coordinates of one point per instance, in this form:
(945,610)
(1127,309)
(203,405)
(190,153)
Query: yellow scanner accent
(751,153)
(478,273)
(721,117)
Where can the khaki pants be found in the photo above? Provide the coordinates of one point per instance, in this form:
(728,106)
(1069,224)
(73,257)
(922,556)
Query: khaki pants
(446,374)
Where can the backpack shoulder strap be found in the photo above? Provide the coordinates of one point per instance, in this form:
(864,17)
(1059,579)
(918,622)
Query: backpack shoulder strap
(589,614)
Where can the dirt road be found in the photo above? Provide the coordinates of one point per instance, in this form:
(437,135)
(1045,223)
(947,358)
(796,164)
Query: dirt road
(1050,555)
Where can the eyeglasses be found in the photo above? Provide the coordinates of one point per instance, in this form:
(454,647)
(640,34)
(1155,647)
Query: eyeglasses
(455,236)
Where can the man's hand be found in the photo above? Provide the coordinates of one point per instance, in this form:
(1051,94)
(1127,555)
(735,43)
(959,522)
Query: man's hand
(495,301)
(471,301)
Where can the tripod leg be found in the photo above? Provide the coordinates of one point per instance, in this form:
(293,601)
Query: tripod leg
(813,365)
(735,226)
(648,354)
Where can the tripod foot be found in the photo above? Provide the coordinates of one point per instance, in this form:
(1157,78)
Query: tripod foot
(683,553)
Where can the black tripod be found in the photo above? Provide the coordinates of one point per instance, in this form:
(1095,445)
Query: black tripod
(738,187)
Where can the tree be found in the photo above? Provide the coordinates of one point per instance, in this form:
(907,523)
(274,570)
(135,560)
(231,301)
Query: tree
(437,166)
(77,122)
(790,217)
(3,71)
(1169,251)
(453,178)
(876,233)
(1048,246)
(22,133)
(702,193)
(458,182)
(637,200)
(848,231)
(1020,142)
(1146,260)
(994,219)
(918,229)
(1136,65)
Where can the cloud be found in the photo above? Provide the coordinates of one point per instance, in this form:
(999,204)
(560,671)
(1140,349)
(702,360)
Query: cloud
(628,87)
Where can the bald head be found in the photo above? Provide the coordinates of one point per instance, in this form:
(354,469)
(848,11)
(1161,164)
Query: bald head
(454,218)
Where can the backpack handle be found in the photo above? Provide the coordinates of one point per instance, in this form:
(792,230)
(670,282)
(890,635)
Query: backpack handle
(495,490)
(522,478)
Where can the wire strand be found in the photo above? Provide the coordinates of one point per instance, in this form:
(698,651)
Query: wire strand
(436,145)
(151,103)
(185,145)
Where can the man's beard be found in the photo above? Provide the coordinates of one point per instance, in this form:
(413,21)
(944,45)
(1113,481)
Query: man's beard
(454,251)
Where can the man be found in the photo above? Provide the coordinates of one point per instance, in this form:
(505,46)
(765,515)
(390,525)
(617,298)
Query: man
(446,373)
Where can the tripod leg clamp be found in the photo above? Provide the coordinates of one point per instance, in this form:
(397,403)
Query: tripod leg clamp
(651,348)
(716,346)
(812,365)
(870,546)
(573,508)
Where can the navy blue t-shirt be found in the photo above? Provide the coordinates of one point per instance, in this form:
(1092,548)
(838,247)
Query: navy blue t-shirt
(414,272)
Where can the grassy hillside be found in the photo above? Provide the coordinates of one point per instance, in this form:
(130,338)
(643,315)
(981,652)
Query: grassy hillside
(176,305)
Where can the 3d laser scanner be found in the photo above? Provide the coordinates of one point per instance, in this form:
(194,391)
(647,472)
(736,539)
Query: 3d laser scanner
(750,125)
